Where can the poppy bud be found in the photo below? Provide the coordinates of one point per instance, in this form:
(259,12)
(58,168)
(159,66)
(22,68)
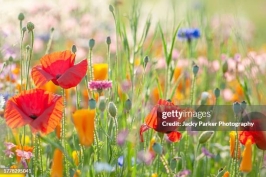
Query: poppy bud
(92,103)
(30,26)
(146,60)
(225,67)
(195,69)
(24,29)
(157,148)
(74,49)
(102,103)
(10,59)
(108,40)
(205,136)
(243,105)
(28,47)
(21,16)
(217,92)
(91,43)
(52,29)
(236,107)
(112,109)
(111,8)
(128,104)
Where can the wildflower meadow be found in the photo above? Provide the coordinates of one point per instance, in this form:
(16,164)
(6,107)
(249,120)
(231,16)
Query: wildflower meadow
(115,88)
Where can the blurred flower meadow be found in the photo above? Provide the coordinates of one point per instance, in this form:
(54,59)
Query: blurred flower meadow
(81,82)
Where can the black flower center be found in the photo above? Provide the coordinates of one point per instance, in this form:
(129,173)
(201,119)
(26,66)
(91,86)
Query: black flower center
(57,76)
(33,116)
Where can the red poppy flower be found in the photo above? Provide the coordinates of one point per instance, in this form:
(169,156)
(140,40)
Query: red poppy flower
(38,108)
(256,133)
(154,122)
(59,67)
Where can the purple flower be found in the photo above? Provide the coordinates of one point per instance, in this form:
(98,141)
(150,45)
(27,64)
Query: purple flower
(188,33)
(9,145)
(183,173)
(145,157)
(100,85)
(120,161)
(8,153)
(206,152)
(121,137)
(24,154)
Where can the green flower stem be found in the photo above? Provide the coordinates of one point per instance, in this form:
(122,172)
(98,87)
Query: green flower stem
(35,159)
(90,65)
(49,44)
(30,57)
(21,55)
(96,138)
(195,161)
(77,98)
(40,154)
(236,150)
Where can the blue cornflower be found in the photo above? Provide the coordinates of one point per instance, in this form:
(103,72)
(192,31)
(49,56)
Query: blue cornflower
(120,161)
(188,33)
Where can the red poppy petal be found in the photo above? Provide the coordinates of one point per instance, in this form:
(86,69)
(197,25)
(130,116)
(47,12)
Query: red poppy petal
(260,139)
(151,119)
(165,102)
(49,59)
(143,128)
(174,136)
(50,118)
(244,136)
(73,76)
(39,76)
(14,116)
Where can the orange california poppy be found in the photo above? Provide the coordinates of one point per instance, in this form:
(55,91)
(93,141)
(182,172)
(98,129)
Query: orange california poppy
(59,67)
(256,133)
(38,108)
(100,71)
(153,121)
(57,166)
(83,120)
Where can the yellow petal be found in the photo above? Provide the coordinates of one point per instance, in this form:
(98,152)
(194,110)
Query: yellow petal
(100,71)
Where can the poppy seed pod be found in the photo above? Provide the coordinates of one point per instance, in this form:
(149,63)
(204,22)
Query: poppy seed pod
(217,92)
(92,103)
(108,40)
(102,103)
(205,136)
(236,107)
(112,109)
(21,16)
(157,148)
(225,67)
(243,105)
(74,49)
(146,60)
(111,8)
(30,26)
(195,69)
(128,104)
(91,43)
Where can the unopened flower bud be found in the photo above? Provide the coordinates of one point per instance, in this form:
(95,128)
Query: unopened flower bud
(74,49)
(108,40)
(236,107)
(112,109)
(128,104)
(157,148)
(243,105)
(146,60)
(205,136)
(225,67)
(30,26)
(24,29)
(28,47)
(217,92)
(102,103)
(10,59)
(111,8)
(21,16)
(92,103)
(91,43)
(195,69)
(52,29)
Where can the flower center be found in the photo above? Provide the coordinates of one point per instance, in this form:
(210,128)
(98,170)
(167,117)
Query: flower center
(33,116)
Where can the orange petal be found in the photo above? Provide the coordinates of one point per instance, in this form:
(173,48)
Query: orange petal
(100,71)
(39,76)
(73,76)
(143,128)
(84,122)
(57,166)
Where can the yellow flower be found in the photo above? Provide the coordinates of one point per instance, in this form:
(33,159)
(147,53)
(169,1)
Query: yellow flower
(232,145)
(226,174)
(75,156)
(246,163)
(154,175)
(153,140)
(50,87)
(57,166)
(83,120)
(100,71)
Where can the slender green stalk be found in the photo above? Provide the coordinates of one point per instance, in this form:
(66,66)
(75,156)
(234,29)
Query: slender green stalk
(40,154)
(195,161)
(49,44)
(30,57)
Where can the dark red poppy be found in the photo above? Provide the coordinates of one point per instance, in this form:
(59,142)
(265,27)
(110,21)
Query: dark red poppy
(59,67)
(38,108)
(153,121)
(256,133)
